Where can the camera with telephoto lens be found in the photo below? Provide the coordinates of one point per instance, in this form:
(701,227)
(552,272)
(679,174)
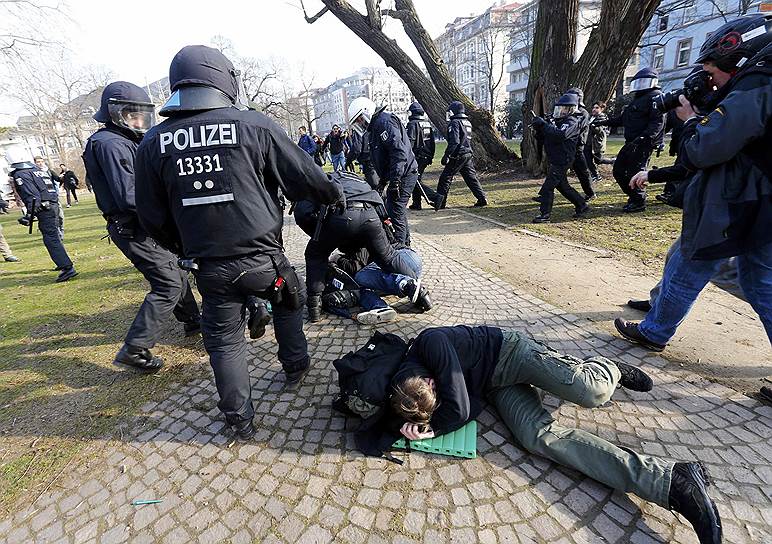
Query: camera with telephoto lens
(698,89)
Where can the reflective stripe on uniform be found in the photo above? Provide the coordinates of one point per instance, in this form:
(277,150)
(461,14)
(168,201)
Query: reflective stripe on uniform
(199,200)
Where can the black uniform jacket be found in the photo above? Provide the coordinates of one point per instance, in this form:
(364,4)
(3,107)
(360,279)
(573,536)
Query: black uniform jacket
(109,161)
(34,183)
(390,150)
(208,182)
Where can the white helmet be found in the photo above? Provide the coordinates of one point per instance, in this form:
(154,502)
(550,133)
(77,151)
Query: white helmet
(360,111)
(19,157)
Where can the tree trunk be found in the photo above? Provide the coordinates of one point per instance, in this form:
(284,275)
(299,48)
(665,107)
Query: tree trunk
(489,147)
(434,95)
(554,43)
(610,45)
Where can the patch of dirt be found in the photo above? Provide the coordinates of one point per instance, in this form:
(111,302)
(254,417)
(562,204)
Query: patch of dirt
(721,339)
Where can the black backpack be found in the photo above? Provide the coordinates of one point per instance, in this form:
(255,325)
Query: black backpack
(364,376)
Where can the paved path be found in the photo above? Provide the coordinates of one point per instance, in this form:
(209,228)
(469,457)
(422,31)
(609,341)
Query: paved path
(302,480)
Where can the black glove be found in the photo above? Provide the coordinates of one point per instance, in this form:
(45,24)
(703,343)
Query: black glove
(538,122)
(642,140)
(444,160)
(125,225)
(25,220)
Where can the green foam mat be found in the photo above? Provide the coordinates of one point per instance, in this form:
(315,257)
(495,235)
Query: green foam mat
(460,443)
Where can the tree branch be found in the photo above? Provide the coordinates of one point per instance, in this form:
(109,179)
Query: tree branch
(313,19)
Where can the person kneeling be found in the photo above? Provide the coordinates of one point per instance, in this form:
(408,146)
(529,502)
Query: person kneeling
(448,371)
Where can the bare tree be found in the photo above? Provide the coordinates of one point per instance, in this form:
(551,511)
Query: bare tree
(434,92)
(57,94)
(491,61)
(722,8)
(612,41)
(20,25)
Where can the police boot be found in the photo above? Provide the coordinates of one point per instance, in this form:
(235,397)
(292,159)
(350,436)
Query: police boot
(541,218)
(314,308)
(688,496)
(480,203)
(416,205)
(439,202)
(66,274)
(244,430)
(192,327)
(418,294)
(259,317)
(137,358)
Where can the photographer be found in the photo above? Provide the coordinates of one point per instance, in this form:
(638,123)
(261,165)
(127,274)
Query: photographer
(728,202)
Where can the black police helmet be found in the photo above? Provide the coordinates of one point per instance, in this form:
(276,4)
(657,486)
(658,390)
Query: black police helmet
(456,107)
(123,91)
(201,78)
(416,109)
(578,92)
(202,65)
(734,43)
(568,99)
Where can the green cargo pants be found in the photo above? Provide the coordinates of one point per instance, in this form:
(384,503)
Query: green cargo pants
(523,366)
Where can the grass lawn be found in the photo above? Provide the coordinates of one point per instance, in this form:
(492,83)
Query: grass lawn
(646,235)
(57,384)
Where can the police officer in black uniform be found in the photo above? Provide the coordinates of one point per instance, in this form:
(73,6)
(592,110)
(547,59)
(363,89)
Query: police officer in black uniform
(644,132)
(127,113)
(560,139)
(392,158)
(458,158)
(41,199)
(208,184)
(360,149)
(579,166)
(362,223)
(421,136)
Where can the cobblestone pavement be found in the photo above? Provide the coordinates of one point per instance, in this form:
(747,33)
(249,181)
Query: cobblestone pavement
(302,480)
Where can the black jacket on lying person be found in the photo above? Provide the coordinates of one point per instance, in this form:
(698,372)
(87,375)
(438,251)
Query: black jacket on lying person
(222,170)
(461,361)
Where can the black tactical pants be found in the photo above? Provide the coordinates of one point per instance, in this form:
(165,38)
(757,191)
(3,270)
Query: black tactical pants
(632,158)
(226,285)
(430,193)
(397,197)
(461,165)
(557,178)
(356,228)
(582,171)
(170,291)
(589,160)
(48,224)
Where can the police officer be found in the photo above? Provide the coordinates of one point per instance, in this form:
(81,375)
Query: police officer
(41,200)
(360,149)
(560,141)
(127,114)
(580,167)
(421,136)
(392,158)
(362,223)
(208,184)
(458,158)
(644,132)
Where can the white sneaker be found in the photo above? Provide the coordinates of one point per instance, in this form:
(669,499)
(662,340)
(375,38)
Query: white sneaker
(379,315)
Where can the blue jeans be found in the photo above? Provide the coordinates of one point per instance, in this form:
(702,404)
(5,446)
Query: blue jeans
(338,161)
(684,279)
(373,280)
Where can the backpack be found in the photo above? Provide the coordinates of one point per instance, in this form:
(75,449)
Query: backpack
(364,376)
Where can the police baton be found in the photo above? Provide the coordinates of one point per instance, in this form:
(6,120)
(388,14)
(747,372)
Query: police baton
(423,193)
(320,218)
(32,215)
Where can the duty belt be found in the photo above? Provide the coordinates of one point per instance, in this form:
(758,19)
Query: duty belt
(359,205)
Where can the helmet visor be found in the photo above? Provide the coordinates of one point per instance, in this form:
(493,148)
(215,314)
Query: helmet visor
(643,83)
(563,111)
(138,117)
(241,102)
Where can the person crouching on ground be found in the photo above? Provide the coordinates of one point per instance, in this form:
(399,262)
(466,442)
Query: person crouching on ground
(448,371)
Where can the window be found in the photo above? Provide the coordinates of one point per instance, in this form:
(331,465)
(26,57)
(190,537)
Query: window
(683,53)
(658,58)
(662,26)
